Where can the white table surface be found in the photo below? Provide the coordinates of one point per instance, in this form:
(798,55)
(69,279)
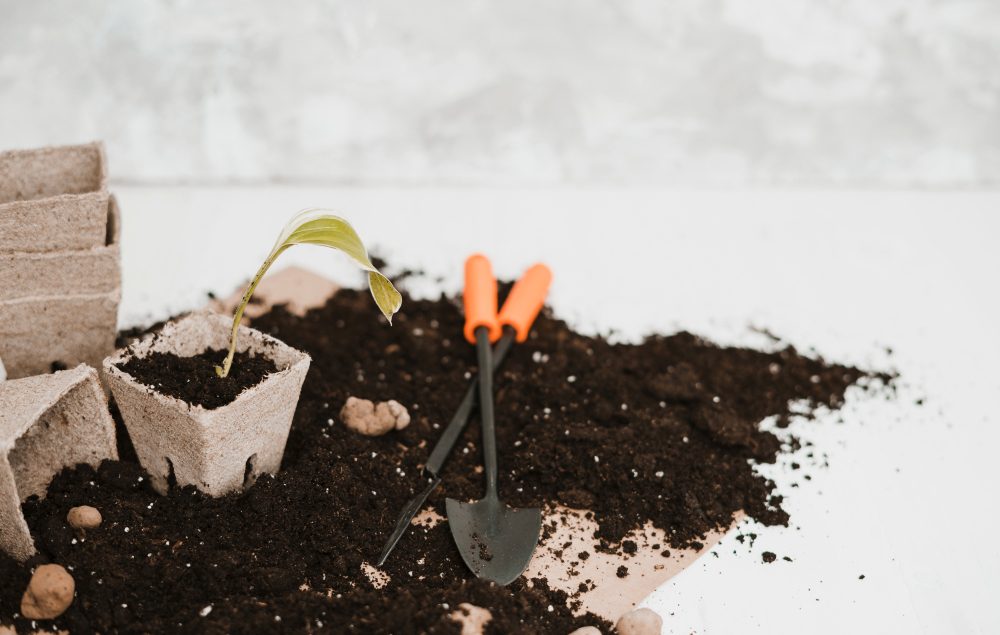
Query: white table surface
(909,497)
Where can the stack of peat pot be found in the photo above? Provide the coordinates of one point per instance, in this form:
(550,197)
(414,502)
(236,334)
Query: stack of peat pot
(60,282)
(60,274)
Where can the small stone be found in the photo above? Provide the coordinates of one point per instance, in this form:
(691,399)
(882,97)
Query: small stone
(472,618)
(639,622)
(364,417)
(49,593)
(587,630)
(84,517)
(359,415)
(394,410)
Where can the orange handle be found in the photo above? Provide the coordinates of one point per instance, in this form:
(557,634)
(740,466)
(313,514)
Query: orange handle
(525,300)
(480,298)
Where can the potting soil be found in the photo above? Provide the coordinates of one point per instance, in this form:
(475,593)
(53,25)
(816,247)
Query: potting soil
(193,379)
(666,431)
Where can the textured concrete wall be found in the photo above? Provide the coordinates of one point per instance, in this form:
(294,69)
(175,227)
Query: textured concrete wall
(712,92)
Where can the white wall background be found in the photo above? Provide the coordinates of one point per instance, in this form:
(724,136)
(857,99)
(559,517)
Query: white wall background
(858,93)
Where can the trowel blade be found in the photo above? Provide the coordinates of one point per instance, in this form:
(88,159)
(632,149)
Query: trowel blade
(496,541)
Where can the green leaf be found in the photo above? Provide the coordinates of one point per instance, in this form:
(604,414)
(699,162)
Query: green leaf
(319,227)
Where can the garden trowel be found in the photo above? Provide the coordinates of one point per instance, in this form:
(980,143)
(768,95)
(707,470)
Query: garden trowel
(519,311)
(496,541)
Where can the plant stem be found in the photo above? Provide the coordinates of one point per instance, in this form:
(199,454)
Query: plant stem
(223,371)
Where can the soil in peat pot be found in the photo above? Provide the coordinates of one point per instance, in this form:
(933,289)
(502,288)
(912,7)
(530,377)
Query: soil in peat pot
(665,431)
(193,379)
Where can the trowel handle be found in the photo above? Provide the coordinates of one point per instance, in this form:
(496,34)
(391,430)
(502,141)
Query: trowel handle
(456,426)
(480,298)
(525,300)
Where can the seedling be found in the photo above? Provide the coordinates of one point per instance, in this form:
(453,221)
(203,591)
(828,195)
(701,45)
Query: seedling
(224,448)
(318,227)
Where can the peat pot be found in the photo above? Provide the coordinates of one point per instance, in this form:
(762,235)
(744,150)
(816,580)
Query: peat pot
(60,278)
(47,423)
(219,450)
(60,308)
(53,199)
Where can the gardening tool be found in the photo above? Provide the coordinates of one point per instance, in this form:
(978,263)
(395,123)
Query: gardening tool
(496,541)
(519,311)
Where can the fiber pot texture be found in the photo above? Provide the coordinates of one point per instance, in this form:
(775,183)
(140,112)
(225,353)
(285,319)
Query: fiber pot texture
(61,307)
(47,423)
(53,199)
(219,450)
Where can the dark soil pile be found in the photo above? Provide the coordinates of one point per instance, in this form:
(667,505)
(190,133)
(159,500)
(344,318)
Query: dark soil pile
(193,379)
(665,431)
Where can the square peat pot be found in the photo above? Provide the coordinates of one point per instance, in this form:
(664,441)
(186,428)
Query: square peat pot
(61,307)
(53,199)
(47,423)
(218,450)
